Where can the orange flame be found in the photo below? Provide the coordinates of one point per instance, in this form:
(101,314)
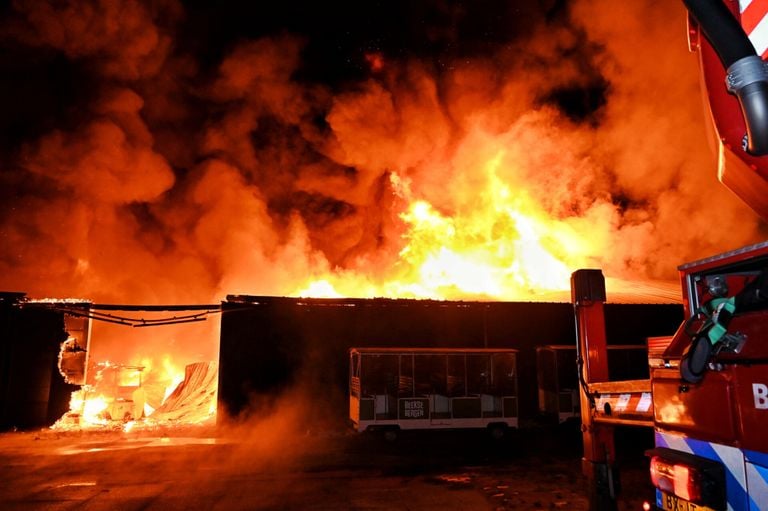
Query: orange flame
(504,246)
(121,398)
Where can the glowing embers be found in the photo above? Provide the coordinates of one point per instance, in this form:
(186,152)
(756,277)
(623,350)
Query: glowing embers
(72,360)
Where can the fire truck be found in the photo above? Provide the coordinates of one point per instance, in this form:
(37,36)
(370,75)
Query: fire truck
(707,395)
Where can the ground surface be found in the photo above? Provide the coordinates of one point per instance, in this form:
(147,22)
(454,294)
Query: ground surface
(262,469)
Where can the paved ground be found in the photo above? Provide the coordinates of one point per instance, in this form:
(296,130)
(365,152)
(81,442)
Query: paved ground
(270,468)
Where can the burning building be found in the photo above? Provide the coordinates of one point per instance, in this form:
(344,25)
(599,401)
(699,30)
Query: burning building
(439,152)
(54,369)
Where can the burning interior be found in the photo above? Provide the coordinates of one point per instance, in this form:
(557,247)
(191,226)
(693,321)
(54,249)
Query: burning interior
(117,377)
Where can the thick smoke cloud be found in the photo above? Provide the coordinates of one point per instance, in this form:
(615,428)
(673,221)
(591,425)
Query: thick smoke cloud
(654,139)
(122,39)
(177,174)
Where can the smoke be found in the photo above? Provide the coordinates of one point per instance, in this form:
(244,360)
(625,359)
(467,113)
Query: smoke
(178,174)
(653,140)
(123,40)
(284,430)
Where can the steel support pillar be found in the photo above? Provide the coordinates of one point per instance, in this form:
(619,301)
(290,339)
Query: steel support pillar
(598,462)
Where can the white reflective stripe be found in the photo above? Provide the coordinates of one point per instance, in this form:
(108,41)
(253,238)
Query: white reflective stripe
(645,402)
(677,443)
(734,462)
(759,36)
(743,4)
(758,486)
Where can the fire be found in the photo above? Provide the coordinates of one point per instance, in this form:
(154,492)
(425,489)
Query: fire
(171,373)
(92,408)
(320,289)
(88,408)
(496,251)
(503,245)
(120,395)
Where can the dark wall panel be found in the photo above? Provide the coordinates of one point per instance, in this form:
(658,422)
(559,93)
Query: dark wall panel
(269,343)
(32,392)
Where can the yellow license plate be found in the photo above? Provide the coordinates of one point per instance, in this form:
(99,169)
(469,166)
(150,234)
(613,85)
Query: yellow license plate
(670,502)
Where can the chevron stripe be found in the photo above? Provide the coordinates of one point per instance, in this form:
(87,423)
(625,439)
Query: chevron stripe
(752,12)
(758,486)
(754,21)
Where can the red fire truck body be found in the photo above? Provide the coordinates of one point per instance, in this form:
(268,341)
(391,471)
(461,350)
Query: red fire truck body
(711,435)
(714,433)
(709,382)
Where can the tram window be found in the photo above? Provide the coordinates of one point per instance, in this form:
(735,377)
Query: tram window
(354,372)
(429,374)
(504,378)
(405,384)
(456,380)
(567,372)
(379,374)
(478,374)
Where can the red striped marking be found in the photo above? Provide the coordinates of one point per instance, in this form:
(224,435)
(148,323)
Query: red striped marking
(753,14)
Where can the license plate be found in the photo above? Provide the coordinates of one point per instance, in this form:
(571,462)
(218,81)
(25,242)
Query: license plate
(670,502)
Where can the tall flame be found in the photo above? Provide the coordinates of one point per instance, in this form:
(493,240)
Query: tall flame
(503,246)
